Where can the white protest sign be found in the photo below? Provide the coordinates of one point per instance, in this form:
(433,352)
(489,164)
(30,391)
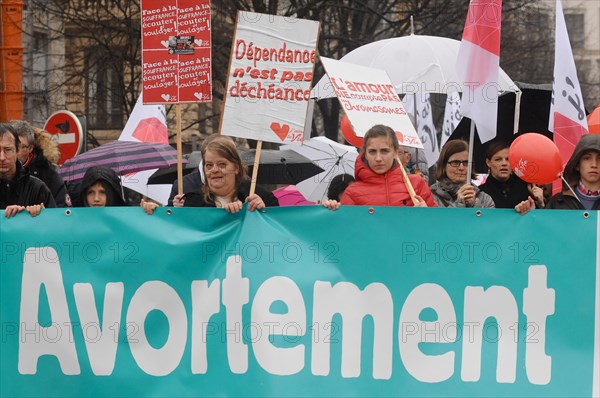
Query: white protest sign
(268,85)
(368,97)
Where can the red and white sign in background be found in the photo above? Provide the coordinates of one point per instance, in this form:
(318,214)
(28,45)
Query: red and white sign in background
(69,132)
(176,58)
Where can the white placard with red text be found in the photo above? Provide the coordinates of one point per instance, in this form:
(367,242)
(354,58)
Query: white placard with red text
(176,58)
(368,97)
(270,75)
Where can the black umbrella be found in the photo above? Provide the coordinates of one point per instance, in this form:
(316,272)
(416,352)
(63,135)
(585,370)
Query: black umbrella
(534,114)
(169,174)
(276,167)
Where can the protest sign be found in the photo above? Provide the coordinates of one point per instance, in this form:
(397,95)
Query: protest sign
(368,97)
(286,303)
(176,58)
(268,85)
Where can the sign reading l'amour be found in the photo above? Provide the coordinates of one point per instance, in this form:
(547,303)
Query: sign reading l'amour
(368,97)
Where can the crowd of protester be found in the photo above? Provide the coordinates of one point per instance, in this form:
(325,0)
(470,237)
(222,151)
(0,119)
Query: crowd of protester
(29,178)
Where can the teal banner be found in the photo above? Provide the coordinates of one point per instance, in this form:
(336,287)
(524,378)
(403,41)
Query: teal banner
(299,301)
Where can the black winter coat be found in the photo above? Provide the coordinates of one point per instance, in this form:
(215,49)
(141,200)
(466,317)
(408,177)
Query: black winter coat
(192,182)
(24,190)
(506,195)
(41,168)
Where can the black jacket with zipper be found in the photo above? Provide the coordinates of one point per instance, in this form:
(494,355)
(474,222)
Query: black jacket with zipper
(41,168)
(25,190)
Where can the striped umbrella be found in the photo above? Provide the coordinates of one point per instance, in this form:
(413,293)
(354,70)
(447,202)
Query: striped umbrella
(124,157)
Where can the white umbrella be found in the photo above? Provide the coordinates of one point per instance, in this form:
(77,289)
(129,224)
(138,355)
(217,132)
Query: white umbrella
(334,158)
(414,63)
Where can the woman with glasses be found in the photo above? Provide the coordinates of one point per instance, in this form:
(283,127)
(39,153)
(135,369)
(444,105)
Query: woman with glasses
(227,184)
(451,188)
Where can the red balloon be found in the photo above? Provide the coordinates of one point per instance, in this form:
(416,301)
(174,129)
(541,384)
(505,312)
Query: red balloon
(535,159)
(353,139)
(349,134)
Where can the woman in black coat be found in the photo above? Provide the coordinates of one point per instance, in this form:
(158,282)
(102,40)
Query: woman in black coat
(227,184)
(506,189)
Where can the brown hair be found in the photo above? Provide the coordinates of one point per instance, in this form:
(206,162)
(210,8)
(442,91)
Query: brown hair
(7,129)
(225,147)
(379,130)
(493,147)
(450,148)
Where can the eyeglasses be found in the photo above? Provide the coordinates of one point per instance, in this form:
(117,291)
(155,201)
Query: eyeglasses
(8,150)
(210,166)
(457,163)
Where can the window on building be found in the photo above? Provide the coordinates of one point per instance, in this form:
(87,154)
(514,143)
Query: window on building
(39,61)
(104,105)
(35,77)
(576,28)
(541,21)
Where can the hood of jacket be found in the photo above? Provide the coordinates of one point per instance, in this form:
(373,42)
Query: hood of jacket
(106,174)
(588,142)
(48,146)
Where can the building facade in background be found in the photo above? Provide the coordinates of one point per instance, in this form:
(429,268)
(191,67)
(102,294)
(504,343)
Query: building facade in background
(43,60)
(91,70)
(583,23)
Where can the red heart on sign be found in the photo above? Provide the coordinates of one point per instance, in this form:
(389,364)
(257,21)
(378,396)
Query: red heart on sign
(281,131)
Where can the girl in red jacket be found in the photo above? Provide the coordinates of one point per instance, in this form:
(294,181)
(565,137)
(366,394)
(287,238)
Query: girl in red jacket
(379,179)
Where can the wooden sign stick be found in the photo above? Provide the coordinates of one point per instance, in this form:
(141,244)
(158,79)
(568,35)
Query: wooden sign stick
(255,168)
(179,150)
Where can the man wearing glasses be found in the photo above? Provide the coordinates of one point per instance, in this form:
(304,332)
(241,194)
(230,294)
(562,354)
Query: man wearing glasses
(35,150)
(18,190)
(413,166)
(405,155)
